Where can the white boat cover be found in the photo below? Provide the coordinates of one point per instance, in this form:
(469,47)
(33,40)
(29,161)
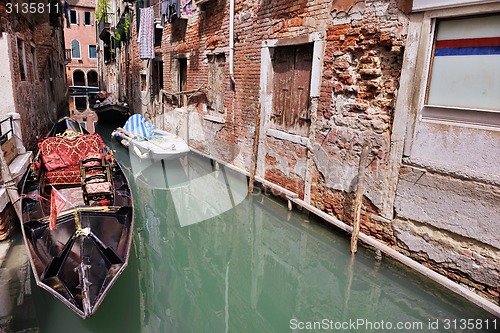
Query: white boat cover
(139,126)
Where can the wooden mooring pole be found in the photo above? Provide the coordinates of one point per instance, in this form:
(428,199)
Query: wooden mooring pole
(358,200)
(255,149)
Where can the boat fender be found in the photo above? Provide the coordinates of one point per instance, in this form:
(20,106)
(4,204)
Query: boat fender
(139,153)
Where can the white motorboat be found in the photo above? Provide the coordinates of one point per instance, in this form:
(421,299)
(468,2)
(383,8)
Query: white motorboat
(147,142)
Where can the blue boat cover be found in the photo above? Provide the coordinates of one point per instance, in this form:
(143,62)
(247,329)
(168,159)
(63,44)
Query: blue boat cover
(139,126)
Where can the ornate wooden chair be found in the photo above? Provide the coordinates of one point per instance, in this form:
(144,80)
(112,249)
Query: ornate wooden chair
(96,181)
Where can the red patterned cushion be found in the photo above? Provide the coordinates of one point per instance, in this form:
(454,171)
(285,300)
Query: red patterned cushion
(71,151)
(102,187)
(53,161)
(93,163)
(67,175)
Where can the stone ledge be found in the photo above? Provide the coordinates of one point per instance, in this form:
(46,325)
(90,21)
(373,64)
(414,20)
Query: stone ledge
(288,137)
(214,119)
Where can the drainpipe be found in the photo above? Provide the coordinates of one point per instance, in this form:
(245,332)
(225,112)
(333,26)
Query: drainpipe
(231,61)
(231,43)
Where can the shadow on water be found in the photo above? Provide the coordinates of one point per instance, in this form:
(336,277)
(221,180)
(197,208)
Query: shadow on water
(208,257)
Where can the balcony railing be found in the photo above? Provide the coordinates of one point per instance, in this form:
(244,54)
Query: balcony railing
(104,29)
(67,56)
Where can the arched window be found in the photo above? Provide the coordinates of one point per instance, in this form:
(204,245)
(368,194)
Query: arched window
(92,79)
(75,49)
(79,78)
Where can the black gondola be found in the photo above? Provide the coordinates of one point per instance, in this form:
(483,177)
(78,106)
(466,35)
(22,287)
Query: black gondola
(80,256)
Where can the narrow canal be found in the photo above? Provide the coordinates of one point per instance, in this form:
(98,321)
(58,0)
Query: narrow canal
(207,257)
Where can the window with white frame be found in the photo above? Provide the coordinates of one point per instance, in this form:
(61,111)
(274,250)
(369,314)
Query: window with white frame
(88,18)
(75,49)
(463,81)
(73,17)
(92,52)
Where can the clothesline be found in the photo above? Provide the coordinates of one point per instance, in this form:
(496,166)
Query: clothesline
(169,8)
(162,1)
(157,4)
(184,6)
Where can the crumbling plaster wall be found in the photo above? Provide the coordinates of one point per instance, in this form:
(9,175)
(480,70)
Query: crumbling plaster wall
(446,207)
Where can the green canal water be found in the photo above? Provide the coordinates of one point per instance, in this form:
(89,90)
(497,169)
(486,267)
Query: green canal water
(207,257)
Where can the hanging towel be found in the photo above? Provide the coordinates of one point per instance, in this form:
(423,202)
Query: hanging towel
(163,13)
(66,13)
(146,34)
(187,8)
(174,8)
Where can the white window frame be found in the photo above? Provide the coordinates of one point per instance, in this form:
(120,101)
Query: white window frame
(468,117)
(91,18)
(95,51)
(76,15)
(84,77)
(79,48)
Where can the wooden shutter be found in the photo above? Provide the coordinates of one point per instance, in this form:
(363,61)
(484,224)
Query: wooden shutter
(291,87)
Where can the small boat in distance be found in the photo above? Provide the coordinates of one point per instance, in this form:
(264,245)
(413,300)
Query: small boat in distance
(77,217)
(147,142)
(109,110)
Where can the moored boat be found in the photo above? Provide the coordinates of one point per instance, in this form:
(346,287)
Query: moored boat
(147,142)
(109,110)
(77,217)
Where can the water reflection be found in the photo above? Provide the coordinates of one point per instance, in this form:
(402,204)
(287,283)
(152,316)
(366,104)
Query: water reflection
(199,189)
(258,267)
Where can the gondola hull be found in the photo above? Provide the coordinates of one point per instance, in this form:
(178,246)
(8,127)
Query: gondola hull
(80,259)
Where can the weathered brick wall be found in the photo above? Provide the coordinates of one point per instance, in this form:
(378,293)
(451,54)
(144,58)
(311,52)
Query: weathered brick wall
(361,65)
(40,99)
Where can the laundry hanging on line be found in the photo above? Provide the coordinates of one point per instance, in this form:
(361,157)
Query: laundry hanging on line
(146,37)
(179,8)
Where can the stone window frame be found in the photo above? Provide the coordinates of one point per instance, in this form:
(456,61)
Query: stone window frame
(266,77)
(409,138)
(79,49)
(266,92)
(70,17)
(475,118)
(95,46)
(91,18)
(23,68)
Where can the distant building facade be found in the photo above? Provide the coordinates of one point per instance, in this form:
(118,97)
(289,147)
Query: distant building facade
(81,54)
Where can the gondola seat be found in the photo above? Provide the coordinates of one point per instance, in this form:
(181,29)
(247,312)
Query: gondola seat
(96,182)
(61,157)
